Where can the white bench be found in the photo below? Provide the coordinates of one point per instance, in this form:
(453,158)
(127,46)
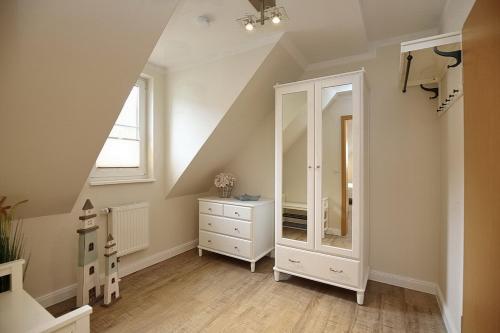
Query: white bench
(19,312)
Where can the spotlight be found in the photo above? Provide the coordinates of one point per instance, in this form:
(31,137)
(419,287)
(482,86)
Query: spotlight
(249,26)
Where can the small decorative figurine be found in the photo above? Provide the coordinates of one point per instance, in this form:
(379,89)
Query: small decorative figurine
(89,287)
(111,289)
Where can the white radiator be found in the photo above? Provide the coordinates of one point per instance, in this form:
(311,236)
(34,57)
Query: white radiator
(130,227)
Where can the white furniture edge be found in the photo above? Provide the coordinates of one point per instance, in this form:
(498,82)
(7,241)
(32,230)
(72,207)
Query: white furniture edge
(257,258)
(77,321)
(80,317)
(428,42)
(236,202)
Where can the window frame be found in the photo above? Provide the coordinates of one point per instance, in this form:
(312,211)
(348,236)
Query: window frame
(143,173)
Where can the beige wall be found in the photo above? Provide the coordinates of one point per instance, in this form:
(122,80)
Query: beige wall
(53,240)
(405,173)
(243,117)
(64,80)
(454,14)
(198,98)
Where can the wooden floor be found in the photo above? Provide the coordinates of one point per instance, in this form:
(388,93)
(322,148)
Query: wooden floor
(214,293)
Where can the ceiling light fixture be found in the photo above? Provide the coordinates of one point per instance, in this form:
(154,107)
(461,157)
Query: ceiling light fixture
(274,14)
(249,26)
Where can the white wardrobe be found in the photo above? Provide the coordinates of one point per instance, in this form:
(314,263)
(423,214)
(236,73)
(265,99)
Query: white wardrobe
(322,181)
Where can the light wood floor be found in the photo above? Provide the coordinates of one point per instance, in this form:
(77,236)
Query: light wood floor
(219,294)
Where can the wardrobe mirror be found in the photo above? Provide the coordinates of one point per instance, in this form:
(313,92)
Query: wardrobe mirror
(294,190)
(337,166)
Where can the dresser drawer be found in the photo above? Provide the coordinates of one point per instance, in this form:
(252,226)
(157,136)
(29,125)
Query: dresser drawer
(231,245)
(211,208)
(226,226)
(238,212)
(325,267)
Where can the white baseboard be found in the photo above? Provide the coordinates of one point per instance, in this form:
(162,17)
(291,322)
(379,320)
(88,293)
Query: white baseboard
(57,296)
(70,291)
(445,313)
(156,258)
(404,282)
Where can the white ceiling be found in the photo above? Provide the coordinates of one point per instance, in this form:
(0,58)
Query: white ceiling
(318,30)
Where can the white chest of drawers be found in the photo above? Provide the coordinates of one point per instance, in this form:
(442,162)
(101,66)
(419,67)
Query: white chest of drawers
(239,229)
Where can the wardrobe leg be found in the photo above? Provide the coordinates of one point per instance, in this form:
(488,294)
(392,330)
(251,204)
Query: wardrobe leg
(200,252)
(252,267)
(276,276)
(360,297)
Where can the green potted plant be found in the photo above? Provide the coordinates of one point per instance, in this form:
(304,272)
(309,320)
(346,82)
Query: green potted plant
(12,246)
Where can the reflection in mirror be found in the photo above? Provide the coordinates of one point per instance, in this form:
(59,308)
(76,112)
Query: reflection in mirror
(337,166)
(294,189)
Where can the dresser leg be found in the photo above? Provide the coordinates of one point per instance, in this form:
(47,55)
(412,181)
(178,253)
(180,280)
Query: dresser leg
(200,252)
(252,267)
(276,276)
(360,297)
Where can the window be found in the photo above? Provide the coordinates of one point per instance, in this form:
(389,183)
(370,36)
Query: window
(124,154)
(91,247)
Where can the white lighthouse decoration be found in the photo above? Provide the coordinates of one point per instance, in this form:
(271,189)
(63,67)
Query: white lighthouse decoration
(111,290)
(89,287)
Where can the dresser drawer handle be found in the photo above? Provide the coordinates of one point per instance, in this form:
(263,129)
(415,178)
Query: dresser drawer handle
(209,223)
(336,271)
(294,261)
(210,209)
(236,213)
(236,248)
(209,241)
(236,229)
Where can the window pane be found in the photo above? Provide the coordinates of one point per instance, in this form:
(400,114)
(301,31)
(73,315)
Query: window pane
(118,153)
(125,132)
(129,115)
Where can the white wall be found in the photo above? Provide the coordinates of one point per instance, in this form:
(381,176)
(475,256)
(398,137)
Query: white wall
(452,212)
(405,173)
(53,240)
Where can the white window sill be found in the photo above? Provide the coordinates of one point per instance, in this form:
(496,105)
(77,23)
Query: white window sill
(96,182)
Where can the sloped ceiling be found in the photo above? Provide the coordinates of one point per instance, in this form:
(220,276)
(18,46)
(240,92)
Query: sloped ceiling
(318,30)
(197,101)
(67,67)
(251,106)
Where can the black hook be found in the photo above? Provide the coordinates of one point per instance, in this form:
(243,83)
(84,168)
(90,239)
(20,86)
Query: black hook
(452,54)
(434,90)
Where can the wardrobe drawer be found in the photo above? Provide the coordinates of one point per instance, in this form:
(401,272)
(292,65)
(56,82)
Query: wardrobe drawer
(231,227)
(210,208)
(325,267)
(231,245)
(238,212)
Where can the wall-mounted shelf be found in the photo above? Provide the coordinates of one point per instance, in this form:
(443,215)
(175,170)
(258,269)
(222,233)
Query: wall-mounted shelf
(434,62)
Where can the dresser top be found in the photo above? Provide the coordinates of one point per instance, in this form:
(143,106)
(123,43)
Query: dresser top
(232,201)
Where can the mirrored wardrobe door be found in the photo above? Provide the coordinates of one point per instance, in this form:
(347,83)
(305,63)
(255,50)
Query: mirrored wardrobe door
(335,166)
(295,125)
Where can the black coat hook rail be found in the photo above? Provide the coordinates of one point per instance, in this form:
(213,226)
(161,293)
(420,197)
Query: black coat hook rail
(451,54)
(433,90)
(408,64)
